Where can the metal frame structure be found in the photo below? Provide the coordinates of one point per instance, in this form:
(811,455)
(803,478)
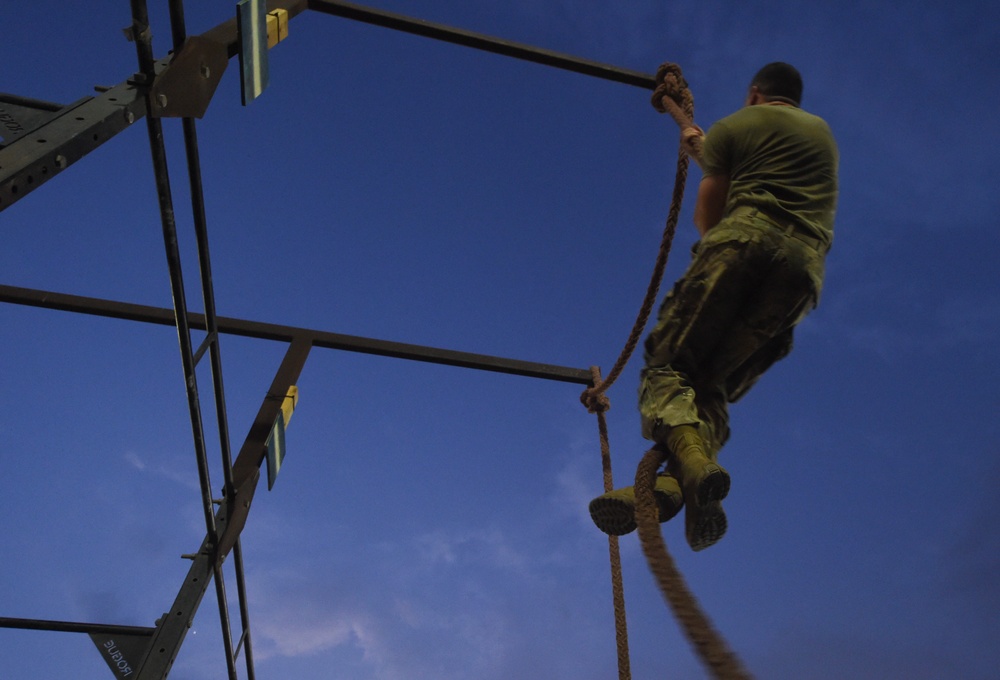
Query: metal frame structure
(45,138)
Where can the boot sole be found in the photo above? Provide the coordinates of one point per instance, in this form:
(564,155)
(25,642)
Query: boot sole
(707,522)
(616,517)
(715,485)
(709,526)
(613,516)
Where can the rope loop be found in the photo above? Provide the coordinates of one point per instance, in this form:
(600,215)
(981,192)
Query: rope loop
(672,95)
(594,398)
(595,401)
(670,82)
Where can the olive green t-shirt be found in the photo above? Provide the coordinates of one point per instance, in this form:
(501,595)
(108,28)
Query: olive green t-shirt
(779,159)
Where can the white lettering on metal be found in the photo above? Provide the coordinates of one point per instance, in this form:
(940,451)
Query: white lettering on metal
(118,659)
(9,122)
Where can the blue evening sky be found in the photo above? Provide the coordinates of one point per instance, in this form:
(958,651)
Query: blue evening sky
(430,522)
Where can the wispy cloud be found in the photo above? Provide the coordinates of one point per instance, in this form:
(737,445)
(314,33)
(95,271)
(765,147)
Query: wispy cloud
(575,486)
(186,478)
(302,628)
(880,318)
(396,637)
(435,605)
(132,458)
(479,547)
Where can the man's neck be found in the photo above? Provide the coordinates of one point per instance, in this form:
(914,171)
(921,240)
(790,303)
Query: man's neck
(780,101)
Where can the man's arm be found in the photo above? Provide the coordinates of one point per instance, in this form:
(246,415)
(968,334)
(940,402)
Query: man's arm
(711,204)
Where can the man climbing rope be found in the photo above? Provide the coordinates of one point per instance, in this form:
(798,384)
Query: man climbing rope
(765,212)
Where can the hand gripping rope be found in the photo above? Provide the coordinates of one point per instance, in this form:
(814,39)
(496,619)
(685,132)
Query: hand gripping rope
(672,96)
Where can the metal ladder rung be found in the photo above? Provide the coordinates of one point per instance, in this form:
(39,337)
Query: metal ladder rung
(239,644)
(205,344)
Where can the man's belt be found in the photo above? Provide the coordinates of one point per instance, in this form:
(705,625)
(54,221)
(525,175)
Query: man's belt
(791,229)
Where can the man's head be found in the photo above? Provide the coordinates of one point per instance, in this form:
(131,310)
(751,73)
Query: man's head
(777,82)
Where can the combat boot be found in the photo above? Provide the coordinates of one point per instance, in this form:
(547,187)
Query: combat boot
(614,512)
(704,484)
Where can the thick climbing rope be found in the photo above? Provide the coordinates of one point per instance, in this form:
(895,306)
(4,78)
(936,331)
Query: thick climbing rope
(617,586)
(672,95)
(706,640)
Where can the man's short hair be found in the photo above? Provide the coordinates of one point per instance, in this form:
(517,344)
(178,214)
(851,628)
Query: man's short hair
(780,81)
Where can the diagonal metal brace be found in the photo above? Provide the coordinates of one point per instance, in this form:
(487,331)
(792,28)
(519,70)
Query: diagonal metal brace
(246,468)
(29,158)
(173,626)
(21,115)
(251,456)
(239,510)
(33,158)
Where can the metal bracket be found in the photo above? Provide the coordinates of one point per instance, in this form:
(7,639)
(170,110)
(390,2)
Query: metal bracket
(277,26)
(185,87)
(122,653)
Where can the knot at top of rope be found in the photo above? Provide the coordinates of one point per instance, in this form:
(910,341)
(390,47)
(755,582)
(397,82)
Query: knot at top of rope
(595,400)
(672,94)
(593,397)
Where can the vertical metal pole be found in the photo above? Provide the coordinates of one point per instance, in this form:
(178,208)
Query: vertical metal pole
(144,49)
(179,32)
(244,608)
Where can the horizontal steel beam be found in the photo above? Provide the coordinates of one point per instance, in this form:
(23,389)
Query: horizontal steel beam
(270,331)
(73,627)
(36,156)
(480,41)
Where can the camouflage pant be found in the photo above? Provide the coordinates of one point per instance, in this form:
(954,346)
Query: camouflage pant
(726,321)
